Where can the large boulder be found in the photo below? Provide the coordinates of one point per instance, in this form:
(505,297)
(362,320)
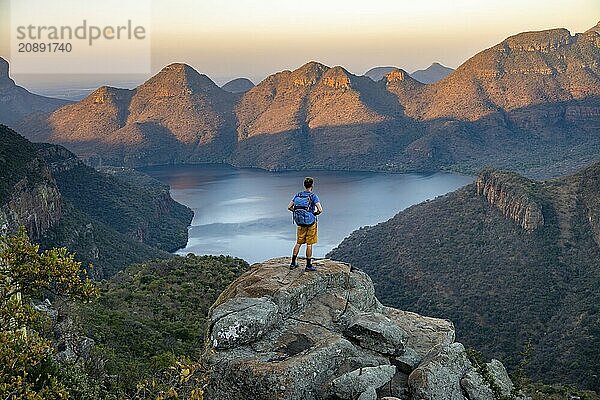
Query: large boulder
(362,381)
(439,374)
(377,332)
(287,334)
(241,320)
(500,376)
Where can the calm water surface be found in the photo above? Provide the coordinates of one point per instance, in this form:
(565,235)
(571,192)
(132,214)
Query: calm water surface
(242,212)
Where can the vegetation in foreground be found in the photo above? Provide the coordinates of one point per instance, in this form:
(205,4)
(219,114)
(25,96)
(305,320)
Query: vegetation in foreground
(147,325)
(151,318)
(28,369)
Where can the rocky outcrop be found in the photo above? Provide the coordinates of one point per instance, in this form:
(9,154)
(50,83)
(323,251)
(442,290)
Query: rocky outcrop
(511,199)
(542,41)
(281,334)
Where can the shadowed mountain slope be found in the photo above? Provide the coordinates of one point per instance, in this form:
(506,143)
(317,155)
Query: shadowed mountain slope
(239,85)
(110,218)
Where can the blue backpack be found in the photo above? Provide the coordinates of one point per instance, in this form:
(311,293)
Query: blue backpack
(303,215)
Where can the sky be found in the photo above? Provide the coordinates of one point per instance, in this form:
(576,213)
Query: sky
(233,38)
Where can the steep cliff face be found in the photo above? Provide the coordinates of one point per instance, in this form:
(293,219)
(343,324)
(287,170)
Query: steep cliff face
(128,201)
(500,191)
(29,195)
(281,334)
(34,202)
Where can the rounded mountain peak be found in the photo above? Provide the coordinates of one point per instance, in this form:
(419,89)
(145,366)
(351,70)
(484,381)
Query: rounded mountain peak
(177,68)
(179,76)
(308,74)
(108,94)
(238,85)
(312,66)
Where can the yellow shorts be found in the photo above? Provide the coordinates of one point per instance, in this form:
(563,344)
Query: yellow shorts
(307,234)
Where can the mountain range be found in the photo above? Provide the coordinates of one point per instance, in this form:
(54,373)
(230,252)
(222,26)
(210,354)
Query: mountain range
(506,257)
(529,104)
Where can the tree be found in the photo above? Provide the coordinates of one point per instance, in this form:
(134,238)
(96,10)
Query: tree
(27,369)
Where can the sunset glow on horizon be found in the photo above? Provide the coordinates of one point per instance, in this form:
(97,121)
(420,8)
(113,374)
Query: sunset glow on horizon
(228,39)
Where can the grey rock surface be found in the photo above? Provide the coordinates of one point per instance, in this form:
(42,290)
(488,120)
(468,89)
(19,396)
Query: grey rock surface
(439,374)
(500,376)
(475,387)
(377,332)
(281,334)
(369,394)
(353,384)
(407,361)
(241,320)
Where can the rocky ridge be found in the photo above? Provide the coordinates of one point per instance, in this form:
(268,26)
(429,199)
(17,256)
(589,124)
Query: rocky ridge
(281,334)
(525,69)
(529,103)
(510,198)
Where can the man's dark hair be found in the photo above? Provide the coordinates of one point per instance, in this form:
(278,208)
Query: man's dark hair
(308,182)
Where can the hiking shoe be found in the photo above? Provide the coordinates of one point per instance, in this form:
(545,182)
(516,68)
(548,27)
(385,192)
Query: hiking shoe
(294,265)
(310,268)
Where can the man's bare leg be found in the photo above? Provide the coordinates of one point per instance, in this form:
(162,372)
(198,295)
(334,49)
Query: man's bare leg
(297,250)
(309,257)
(309,251)
(294,255)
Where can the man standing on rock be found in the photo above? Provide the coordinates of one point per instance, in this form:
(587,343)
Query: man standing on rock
(305,206)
